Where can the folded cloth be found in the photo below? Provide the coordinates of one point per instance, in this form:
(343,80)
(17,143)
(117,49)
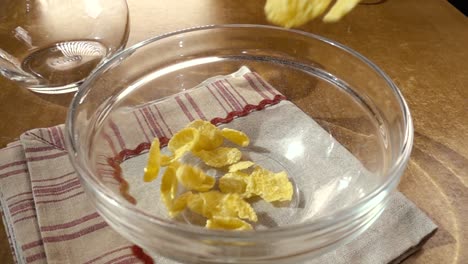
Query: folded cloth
(49,219)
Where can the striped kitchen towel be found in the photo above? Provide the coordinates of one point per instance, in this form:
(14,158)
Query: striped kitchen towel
(49,219)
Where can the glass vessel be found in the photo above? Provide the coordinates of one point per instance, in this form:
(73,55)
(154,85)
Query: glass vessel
(50,46)
(344,135)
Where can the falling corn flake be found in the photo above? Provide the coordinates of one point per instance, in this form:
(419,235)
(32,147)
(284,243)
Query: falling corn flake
(154,162)
(215,203)
(294,13)
(227,223)
(219,157)
(183,141)
(235,136)
(241,165)
(193,178)
(339,10)
(210,135)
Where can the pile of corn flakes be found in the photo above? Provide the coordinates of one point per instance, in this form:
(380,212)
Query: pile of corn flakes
(226,208)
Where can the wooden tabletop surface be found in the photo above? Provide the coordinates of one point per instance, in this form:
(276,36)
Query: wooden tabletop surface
(421,44)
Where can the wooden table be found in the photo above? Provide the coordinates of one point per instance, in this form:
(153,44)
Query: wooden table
(421,44)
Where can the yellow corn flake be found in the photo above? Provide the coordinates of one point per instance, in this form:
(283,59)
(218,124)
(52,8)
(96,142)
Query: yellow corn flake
(166,160)
(219,157)
(210,136)
(193,178)
(169,186)
(234,205)
(205,203)
(270,186)
(234,182)
(179,204)
(227,223)
(242,165)
(294,13)
(215,203)
(154,162)
(235,136)
(264,183)
(339,9)
(183,141)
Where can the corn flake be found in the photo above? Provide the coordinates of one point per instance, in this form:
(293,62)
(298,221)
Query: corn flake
(154,162)
(205,203)
(232,202)
(210,136)
(294,13)
(179,204)
(242,165)
(339,9)
(215,203)
(235,136)
(166,160)
(183,141)
(270,186)
(219,157)
(234,182)
(193,178)
(227,223)
(169,186)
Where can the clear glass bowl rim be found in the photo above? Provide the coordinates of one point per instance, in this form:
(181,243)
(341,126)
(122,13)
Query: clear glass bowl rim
(324,222)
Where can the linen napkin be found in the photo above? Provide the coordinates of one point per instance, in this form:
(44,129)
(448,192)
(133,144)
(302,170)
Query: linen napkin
(48,218)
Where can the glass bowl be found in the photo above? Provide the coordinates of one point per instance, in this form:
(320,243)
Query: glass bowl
(50,46)
(336,124)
